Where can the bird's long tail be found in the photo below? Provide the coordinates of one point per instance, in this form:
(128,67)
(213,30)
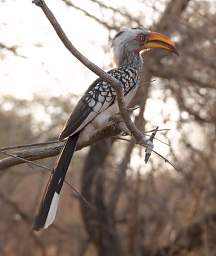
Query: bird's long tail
(49,203)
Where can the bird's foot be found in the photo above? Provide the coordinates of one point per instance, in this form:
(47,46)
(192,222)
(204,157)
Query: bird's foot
(119,122)
(123,128)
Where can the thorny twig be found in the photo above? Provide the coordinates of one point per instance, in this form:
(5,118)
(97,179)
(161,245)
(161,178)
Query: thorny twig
(166,160)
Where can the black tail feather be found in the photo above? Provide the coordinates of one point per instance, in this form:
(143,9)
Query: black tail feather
(56,181)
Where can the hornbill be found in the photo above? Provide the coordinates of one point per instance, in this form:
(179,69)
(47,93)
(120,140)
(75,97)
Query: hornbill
(98,105)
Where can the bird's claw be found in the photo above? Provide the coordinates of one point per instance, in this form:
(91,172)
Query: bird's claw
(124,128)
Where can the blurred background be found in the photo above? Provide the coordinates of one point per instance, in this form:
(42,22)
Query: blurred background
(132,208)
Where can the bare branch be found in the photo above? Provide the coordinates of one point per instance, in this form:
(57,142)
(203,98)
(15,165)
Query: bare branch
(28,145)
(38,151)
(12,49)
(88,14)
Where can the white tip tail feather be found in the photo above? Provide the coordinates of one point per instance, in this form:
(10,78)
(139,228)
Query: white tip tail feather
(52,211)
(49,204)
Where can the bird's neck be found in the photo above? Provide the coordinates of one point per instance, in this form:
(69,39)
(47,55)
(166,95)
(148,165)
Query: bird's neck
(132,59)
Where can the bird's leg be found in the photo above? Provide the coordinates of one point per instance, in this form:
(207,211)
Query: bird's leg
(122,126)
(119,122)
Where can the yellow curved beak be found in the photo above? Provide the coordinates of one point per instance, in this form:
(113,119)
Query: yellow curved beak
(157,40)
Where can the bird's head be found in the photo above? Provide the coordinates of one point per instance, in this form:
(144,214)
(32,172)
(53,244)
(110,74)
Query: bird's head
(135,40)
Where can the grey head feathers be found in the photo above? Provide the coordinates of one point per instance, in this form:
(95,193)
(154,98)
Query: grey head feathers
(124,42)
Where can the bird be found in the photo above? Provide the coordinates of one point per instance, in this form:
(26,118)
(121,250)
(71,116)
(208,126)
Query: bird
(98,104)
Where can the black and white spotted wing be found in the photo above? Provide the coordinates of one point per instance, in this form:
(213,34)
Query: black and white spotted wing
(98,98)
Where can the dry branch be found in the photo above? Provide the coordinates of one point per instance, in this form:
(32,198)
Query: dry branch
(44,150)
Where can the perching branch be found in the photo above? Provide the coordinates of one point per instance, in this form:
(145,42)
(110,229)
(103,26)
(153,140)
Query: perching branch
(30,152)
(34,152)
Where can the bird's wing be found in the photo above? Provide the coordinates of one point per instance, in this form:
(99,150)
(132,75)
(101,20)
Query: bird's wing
(99,96)
(81,115)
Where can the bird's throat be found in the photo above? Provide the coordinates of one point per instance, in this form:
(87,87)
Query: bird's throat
(131,59)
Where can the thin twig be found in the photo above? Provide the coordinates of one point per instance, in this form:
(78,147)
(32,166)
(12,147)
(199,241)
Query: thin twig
(88,14)
(159,130)
(130,140)
(79,195)
(25,160)
(166,160)
(51,170)
(29,145)
(167,144)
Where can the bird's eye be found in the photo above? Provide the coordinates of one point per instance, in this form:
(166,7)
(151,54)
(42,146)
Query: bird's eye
(141,37)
